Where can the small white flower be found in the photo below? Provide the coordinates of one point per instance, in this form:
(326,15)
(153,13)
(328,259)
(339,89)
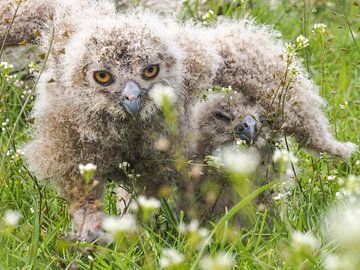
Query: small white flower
(11,218)
(331,177)
(197,236)
(284,156)
(20,152)
(6,65)
(295,71)
(124,165)
(114,225)
(5,124)
(208,15)
(302,241)
(161,93)
(349,188)
(343,262)
(319,28)
(279,196)
(221,261)
(240,142)
(89,167)
(240,161)
(290,48)
(302,41)
(87,171)
(33,67)
(148,203)
(342,225)
(170,258)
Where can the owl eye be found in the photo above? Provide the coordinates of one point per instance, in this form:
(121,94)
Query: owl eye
(150,72)
(103,77)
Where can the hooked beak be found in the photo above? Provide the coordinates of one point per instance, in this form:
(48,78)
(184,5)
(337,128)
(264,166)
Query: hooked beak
(246,129)
(131,97)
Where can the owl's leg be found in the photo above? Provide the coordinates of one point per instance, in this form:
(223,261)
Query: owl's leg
(123,199)
(86,209)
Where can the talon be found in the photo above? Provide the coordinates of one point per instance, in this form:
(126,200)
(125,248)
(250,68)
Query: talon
(246,129)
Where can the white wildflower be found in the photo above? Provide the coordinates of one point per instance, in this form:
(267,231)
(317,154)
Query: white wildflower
(161,93)
(5,123)
(115,225)
(319,28)
(284,156)
(197,236)
(343,262)
(208,15)
(6,66)
(241,142)
(302,42)
(331,177)
(124,165)
(11,218)
(148,203)
(289,47)
(240,161)
(33,67)
(349,188)
(304,242)
(344,105)
(295,71)
(221,261)
(278,197)
(87,171)
(20,152)
(342,226)
(170,258)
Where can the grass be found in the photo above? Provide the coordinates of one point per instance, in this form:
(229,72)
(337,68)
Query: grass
(332,60)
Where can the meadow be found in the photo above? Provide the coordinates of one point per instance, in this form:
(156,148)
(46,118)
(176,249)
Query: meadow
(312,224)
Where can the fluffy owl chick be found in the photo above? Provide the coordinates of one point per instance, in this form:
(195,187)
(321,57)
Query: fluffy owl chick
(93,103)
(220,123)
(252,62)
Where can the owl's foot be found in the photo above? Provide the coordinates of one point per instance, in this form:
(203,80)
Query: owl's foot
(87,225)
(247,130)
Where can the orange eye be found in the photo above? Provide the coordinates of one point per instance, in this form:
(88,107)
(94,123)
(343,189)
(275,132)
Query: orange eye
(103,77)
(150,72)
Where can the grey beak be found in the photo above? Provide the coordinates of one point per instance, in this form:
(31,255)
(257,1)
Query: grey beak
(246,129)
(131,97)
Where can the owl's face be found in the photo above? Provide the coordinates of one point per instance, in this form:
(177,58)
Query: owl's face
(123,63)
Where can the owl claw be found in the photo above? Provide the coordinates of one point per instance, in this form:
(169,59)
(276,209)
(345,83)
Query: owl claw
(90,236)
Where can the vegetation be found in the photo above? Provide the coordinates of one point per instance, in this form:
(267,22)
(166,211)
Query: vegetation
(291,232)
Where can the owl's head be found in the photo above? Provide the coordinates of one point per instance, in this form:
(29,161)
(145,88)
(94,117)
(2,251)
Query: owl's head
(122,59)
